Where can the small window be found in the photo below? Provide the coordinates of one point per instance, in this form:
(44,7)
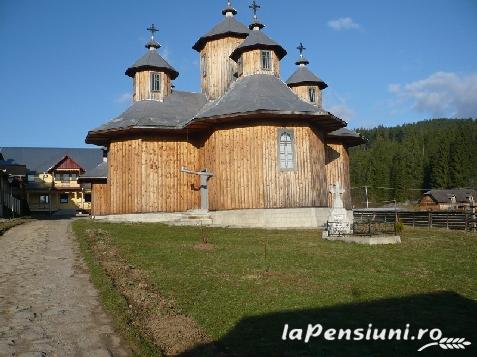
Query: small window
(266,59)
(64,198)
(31,178)
(66,178)
(285,149)
(87,197)
(312,94)
(44,199)
(203,62)
(57,177)
(155,82)
(74,177)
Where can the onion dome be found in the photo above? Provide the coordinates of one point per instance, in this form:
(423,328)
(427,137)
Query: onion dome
(152,60)
(227,27)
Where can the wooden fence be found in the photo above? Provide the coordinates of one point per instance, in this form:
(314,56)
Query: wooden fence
(11,203)
(451,220)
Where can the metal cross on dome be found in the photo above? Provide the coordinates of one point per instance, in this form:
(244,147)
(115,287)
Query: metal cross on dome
(254,8)
(301,48)
(152,29)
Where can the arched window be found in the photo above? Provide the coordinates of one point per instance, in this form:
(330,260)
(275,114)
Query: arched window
(285,150)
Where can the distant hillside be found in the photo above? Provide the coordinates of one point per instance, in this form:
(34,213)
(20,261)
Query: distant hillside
(398,161)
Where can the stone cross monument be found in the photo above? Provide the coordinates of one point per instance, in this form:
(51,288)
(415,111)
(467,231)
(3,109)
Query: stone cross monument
(338,221)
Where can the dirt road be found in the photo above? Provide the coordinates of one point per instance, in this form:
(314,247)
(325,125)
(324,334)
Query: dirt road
(48,306)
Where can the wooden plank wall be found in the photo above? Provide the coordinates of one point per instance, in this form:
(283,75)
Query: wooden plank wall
(144,176)
(220,68)
(252,63)
(337,170)
(100,199)
(302,93)
(142,86)
(244,161)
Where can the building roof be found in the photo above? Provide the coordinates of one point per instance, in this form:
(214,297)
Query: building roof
(443,196)
(176,110)
(152,60)
(256,94)
(66,163)
(99,173)
(38,160)
(12,169)
(258,40)
(349,137)
(303,75)
(227,27)
(263,93)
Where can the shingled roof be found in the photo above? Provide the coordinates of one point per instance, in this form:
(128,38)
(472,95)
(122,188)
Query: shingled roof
(349,137)
(99,173)
(228,27)
(443,196)
(176,110)
(152,60)
(304,76)
(258,40)
(38,160)
(263,93)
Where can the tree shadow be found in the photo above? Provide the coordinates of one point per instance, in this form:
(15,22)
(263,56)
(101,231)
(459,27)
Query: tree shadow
(453,314)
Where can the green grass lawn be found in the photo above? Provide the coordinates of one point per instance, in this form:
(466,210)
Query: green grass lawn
(252,282)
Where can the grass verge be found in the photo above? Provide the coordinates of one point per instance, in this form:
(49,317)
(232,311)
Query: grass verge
(114,302)
(6,224)
(243,285)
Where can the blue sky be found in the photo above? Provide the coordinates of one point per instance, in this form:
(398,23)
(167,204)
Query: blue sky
(386,62)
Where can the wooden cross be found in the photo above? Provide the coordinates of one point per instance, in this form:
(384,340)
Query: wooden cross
(254,8)
(204,175)
(301,48)
(153,30)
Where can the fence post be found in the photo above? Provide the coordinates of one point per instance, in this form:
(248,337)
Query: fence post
(466,221)
(447,221)
(413,219)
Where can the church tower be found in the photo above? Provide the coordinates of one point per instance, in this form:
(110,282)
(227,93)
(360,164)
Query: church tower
(151,74)
(305,83)
(217,70)
(258,54)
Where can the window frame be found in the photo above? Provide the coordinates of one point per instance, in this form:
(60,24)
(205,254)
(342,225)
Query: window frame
(153,82)
(44,199)
(311,90)
(262,62)
(280,133)
(62,200)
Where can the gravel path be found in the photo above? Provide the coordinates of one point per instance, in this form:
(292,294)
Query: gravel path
(48,306)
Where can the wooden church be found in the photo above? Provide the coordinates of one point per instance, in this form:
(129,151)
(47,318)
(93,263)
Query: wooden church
(250,148)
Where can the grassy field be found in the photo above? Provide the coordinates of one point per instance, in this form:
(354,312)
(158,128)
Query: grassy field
(245,284)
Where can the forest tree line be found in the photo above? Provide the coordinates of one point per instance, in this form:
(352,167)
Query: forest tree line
(399,163)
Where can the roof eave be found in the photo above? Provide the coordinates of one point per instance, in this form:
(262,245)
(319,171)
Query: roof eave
(201,42)
(326,120)
(131,71)
(279,50)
